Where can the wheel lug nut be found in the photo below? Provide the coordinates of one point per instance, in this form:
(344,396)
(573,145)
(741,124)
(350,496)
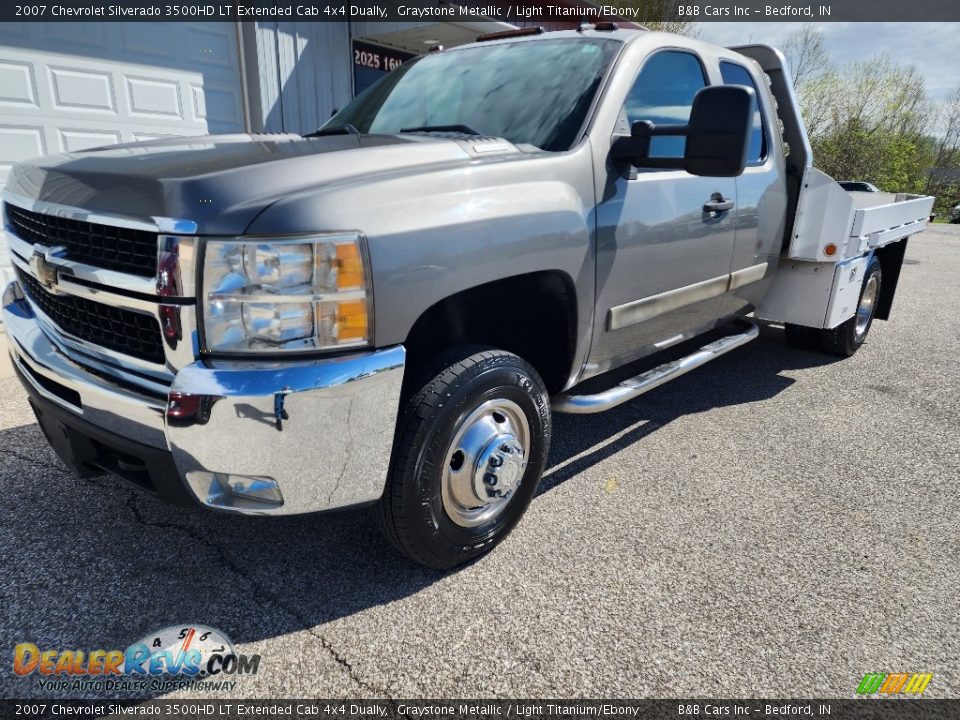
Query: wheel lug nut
(495,461)
(490,479)
(506,448)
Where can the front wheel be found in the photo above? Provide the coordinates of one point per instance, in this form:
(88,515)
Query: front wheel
(470,448)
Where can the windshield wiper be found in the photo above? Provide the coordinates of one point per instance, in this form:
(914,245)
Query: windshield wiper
(466,129)
(346,129)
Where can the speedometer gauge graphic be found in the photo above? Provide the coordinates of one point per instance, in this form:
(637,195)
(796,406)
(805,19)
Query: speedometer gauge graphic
(180,649)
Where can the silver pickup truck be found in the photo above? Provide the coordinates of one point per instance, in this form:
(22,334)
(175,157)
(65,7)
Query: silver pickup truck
(387,311)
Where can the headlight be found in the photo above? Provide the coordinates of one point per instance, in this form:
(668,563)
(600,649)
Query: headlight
(296,294)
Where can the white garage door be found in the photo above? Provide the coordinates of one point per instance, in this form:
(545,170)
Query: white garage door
(69,86)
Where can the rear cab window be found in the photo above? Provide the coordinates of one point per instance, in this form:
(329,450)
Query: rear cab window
(734,74)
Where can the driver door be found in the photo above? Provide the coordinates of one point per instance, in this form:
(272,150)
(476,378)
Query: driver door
(662,259)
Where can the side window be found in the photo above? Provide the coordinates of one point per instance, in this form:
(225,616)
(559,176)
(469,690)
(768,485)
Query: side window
(663,94)
(733,74)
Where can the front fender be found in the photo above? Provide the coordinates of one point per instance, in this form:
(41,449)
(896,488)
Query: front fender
(444,230)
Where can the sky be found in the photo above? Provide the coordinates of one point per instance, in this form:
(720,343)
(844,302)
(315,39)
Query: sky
(933,47)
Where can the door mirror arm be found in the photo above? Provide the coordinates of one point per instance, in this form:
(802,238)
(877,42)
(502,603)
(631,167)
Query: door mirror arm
(718,136)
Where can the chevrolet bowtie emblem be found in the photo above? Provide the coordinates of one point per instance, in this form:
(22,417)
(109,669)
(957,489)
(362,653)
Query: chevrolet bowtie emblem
(43,269)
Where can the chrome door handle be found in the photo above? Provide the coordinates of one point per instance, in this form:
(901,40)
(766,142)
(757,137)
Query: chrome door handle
(717,204)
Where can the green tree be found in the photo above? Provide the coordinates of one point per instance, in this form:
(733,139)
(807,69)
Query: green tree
(870,120)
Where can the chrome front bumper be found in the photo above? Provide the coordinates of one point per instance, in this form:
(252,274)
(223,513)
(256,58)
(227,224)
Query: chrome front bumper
(322,430)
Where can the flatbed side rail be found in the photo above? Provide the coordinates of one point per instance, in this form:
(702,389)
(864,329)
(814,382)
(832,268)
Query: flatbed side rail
(834,225)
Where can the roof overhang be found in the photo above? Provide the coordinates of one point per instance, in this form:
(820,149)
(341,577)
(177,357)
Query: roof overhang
(419,39)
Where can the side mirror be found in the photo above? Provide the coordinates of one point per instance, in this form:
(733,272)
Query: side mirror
(718,135)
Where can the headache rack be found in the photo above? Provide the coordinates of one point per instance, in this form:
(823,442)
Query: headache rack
(831,234)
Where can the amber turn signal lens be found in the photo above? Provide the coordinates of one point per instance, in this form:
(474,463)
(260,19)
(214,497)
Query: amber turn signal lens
(830,250)
(350,266)
(352,320)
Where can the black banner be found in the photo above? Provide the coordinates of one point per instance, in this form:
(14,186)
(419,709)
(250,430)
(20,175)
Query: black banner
(484,709)
(467,10)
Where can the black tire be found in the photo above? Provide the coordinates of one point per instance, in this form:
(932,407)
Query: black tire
(411,512)
(846,338)
(802,337)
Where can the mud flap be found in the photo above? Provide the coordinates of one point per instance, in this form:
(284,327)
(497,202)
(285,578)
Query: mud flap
(891,261)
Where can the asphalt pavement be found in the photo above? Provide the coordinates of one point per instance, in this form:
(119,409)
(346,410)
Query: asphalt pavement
(775,524)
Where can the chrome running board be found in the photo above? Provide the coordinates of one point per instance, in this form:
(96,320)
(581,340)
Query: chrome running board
(636,386)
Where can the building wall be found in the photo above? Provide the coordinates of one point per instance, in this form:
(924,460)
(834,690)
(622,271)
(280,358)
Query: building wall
(67,86)
(301,72)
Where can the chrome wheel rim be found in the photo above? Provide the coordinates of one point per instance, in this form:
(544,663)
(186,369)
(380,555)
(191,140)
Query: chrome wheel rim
(485,463)
(867,302)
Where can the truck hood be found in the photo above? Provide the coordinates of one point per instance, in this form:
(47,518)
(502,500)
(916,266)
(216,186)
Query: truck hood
(222,182)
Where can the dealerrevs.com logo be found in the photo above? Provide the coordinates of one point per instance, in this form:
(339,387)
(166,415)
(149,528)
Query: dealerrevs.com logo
(177,657)
(894,683)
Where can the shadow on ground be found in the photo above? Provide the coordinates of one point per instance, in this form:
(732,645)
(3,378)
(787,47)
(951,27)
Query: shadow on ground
(98,564)
(748,374)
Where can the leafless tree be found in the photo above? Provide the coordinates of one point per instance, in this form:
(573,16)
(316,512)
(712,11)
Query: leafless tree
(805,53)
(818,97)
(947,147)
(944,178)
(882,96)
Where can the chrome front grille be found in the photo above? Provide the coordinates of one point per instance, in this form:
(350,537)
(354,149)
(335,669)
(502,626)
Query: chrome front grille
(107,246)
(121,330)
(114,293)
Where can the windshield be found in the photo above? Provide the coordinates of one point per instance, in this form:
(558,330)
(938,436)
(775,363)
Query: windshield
(536,92)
